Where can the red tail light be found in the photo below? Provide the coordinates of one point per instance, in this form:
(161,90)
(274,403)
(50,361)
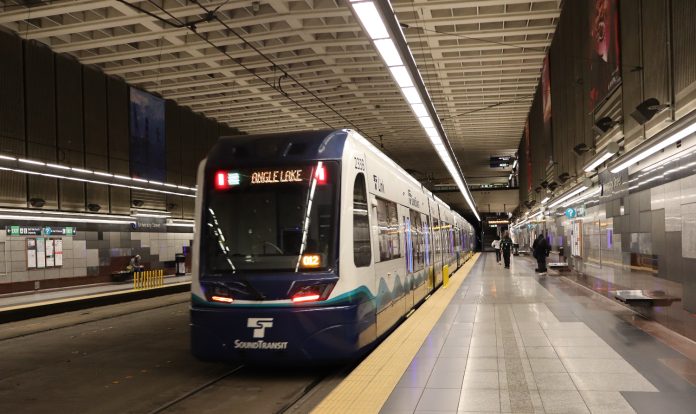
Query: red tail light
(221,180)
(311,293)
(320,175)
(305,298)
(222,299)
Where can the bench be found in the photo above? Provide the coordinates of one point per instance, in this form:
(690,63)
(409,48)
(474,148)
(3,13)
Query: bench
(644,297)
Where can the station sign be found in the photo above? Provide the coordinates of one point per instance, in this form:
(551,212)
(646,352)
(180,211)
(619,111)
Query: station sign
(59,231)
(501,161)
(571,213)
(23,230)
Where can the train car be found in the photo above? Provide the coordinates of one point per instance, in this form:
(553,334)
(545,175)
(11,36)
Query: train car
(310,246)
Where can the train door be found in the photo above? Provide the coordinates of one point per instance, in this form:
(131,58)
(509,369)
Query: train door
(437,246)
(359,259)
(390,262)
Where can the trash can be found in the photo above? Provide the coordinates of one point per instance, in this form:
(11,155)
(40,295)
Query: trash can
(180,262)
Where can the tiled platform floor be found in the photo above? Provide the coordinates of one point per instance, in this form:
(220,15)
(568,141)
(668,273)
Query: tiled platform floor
(511,341)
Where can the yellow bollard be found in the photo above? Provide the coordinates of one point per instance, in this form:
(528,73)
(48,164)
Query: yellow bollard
(445,276)
(161,277)
(135,280)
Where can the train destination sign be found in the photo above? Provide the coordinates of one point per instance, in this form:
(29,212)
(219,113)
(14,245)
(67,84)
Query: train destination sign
(293,175)
(224,180)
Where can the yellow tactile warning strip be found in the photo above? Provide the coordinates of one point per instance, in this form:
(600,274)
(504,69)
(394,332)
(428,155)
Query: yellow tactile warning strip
(76,298)
(367,388)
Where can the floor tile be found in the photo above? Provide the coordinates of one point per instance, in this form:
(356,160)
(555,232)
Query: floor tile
(402,400)
(593,352)
(481,380)
(553,381)
(445,379)
(570,341)
(482,364)
(483,351)
(413,379)
(439,399)
(598,365)
(536,341)
(592,381)
(454,352)
(546,365)
(540,352)
(606,402)
(456,364)
(563,402)
(473,400)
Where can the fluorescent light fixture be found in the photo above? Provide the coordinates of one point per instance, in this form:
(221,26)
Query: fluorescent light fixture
(653,145)
(57,166)
(387,50)
(370,17)
(170,185)
(151,215)
(419,110)
(139,180)
(587,194)
(6,157)
(103,174)
(156,182)
(577,190)
(31,161)
(545,200)
(401,76)
(121,177)
(412,95)
(80,170)
(603,155)
(514,164)
(394,51)
(426,122)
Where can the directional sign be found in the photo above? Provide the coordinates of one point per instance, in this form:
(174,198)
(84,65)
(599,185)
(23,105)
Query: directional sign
(571,213)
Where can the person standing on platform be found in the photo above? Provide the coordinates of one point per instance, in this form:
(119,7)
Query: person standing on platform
(541,250)
(506,248)
(496,246)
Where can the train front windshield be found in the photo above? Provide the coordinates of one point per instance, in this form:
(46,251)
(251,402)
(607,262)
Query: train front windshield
(270,219)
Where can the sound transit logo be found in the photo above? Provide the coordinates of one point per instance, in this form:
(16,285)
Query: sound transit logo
(259,326)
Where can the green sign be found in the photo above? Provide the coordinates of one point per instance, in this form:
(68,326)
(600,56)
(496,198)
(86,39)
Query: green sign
(59,231)
(23,230)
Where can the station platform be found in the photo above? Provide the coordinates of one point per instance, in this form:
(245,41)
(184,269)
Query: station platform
(25,305)
(510,340)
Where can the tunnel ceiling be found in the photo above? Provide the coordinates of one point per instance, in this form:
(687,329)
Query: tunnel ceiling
(471,54)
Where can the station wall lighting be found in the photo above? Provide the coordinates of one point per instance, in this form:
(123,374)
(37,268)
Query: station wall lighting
(670,135)
(647,109)
(603,125)
(545,200)
(587,194)
(603,155)
(34,167)
(60,216)
(573,192)
(379,22)
(581,149)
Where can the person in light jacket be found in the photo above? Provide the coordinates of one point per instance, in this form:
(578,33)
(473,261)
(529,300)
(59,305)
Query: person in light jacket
(496,246)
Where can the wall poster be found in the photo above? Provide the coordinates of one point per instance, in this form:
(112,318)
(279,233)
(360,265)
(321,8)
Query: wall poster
(604,49)
(31,253)
(576,239)
(50,258)
(40,253)
(147,139)
(58,251)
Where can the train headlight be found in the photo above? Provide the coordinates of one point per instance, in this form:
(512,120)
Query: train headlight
(219,293)
(311,293)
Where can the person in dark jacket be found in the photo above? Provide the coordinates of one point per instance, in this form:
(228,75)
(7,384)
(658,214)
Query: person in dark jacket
(541,250)
(506,248)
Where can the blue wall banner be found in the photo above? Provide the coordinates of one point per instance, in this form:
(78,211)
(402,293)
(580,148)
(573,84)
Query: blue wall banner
(147,137)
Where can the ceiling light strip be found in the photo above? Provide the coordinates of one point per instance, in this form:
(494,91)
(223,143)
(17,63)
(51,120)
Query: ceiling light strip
(89,172)
(379,22)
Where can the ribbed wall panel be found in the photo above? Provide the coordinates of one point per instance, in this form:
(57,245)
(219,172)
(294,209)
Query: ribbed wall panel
(118,128)
(12,131)
(120,200)
(655,66)
(96,119)
(150,199)
(39,72)
(173,123)
(189,145)
(632,95)
(684,34)
(70,134)
(98,194)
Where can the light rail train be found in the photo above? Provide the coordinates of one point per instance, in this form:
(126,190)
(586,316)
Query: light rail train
(310,246)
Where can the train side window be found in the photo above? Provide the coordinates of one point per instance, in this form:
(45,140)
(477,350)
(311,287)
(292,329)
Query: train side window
(388,223)
(418,242)
(362,249)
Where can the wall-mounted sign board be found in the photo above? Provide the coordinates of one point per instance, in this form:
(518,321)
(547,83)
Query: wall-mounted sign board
(31,253)
(23,230)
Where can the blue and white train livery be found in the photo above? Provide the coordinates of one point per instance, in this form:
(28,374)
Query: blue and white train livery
(310,246)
